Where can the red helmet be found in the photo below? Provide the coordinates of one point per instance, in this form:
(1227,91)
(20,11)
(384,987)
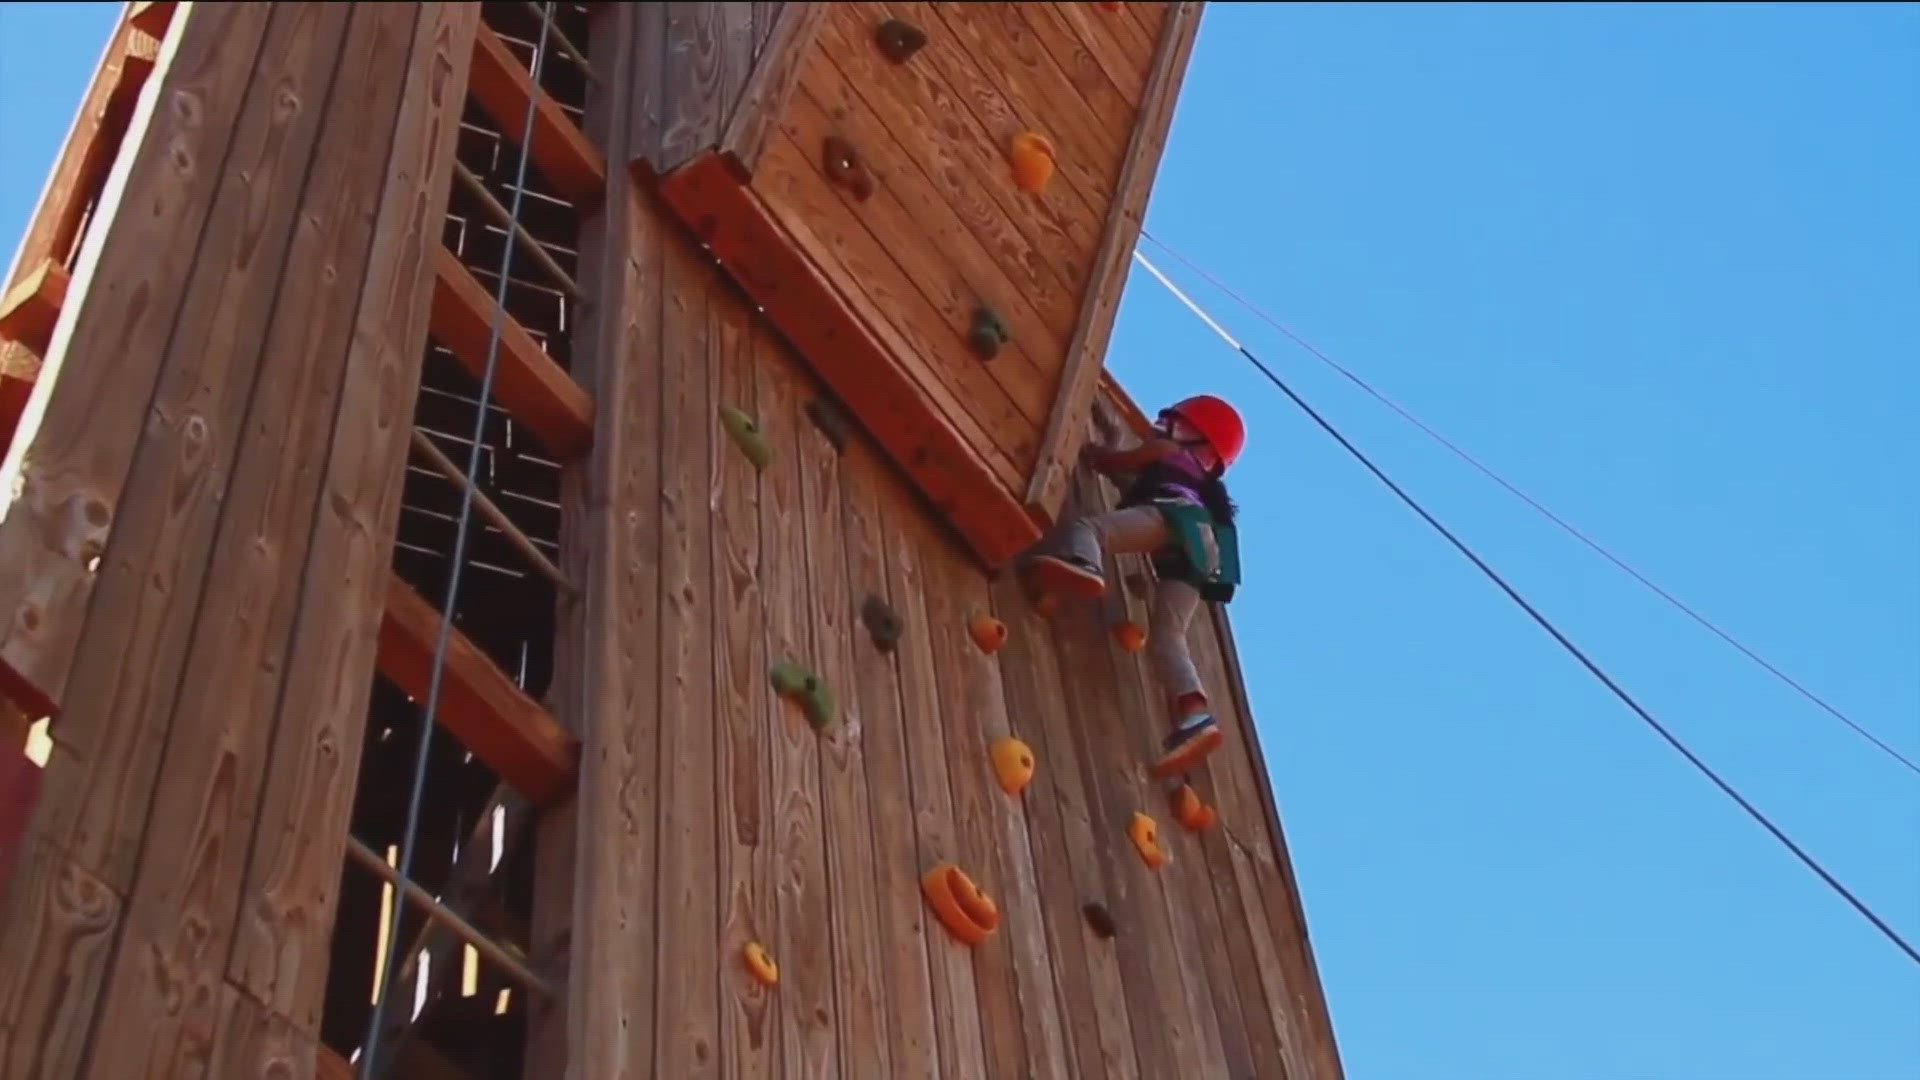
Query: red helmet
(1216,420)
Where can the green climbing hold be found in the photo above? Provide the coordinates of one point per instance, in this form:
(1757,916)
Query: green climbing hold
(808,691)
(987,333)
(746,435)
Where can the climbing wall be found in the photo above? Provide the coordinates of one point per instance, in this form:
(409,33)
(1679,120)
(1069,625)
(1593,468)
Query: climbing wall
(739,819)
(751,760)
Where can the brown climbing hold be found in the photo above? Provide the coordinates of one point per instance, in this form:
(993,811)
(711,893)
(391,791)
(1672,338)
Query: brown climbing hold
(1130,636)
(844,167)
(1032,156)
(986,334)
(1190,812)
(962,908)
(1146,840)
(899,39)
(760,965)
(1099,918)
(988,632)
(883,623)
(1013,762)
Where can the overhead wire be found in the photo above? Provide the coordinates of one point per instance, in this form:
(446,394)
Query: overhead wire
(1545,623)
(1539,507)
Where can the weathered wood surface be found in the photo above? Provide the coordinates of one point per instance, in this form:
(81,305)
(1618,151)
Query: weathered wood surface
(1126,213)
(200,756)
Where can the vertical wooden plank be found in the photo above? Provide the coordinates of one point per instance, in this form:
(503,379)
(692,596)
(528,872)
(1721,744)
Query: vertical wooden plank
(56,960)
(254,1041)
(70,456)
(694,95)
(1132,1027)
(744,791)
(182,910)
(808,1006)
(977,717)
(862,994)
(286,911)
(1187,890)
(585,548)
(611,984)
(956,1001)
(687,961)
(902,923)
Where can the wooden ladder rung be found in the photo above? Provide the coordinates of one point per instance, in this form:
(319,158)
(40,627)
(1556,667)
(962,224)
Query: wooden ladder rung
(493,718)
(574,167)
(29,309)
(526,381)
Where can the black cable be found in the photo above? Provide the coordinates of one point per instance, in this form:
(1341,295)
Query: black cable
(1565,525)
(1546,624)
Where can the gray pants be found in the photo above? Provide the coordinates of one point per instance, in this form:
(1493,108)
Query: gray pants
(1134,531)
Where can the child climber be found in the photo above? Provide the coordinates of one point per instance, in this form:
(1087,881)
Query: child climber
(1177,509)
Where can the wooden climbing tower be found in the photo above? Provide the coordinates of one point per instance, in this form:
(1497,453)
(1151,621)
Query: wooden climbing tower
(504,561)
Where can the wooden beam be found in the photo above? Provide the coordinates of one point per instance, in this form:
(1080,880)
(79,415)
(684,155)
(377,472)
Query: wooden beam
(1086,351)
(19,369)
(766,262)
(479,705)
(526,381)
(776,72)
(502,86)
(29,309)
(152,16)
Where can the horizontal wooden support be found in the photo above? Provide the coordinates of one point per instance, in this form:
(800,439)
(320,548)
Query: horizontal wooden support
(19,368)
(503,727)
(152,16)
(29,309)
(526,381)
(766,262)
(502,86)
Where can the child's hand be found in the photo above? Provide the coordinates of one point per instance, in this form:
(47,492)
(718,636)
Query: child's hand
(1093,456)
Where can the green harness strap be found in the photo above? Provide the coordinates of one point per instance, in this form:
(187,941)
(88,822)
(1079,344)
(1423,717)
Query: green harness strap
(1190,525)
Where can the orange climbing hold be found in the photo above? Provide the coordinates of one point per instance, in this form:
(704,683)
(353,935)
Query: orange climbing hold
(1013,761)
(1146,839)
(1190,812)
(988,632)
(760,965)
(1032,161)
(1130,636)
(962,908)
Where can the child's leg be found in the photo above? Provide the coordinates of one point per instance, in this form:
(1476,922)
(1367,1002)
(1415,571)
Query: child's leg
(1074,561)
(1195,733)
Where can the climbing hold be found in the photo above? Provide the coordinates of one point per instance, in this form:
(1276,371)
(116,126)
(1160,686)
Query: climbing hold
(1146,839)
(1099,918)
(1108,5)
(807,690)
(844,167)
(899,39)
(883,623)
(827,415)
(1032,156)
(1190,812)
(962,908)
(760,965)
(988,632)
(1013,761)
(987,333)
(746,435)
(1130,636)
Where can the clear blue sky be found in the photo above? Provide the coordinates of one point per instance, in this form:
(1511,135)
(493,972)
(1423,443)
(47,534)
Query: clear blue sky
(1660,265)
